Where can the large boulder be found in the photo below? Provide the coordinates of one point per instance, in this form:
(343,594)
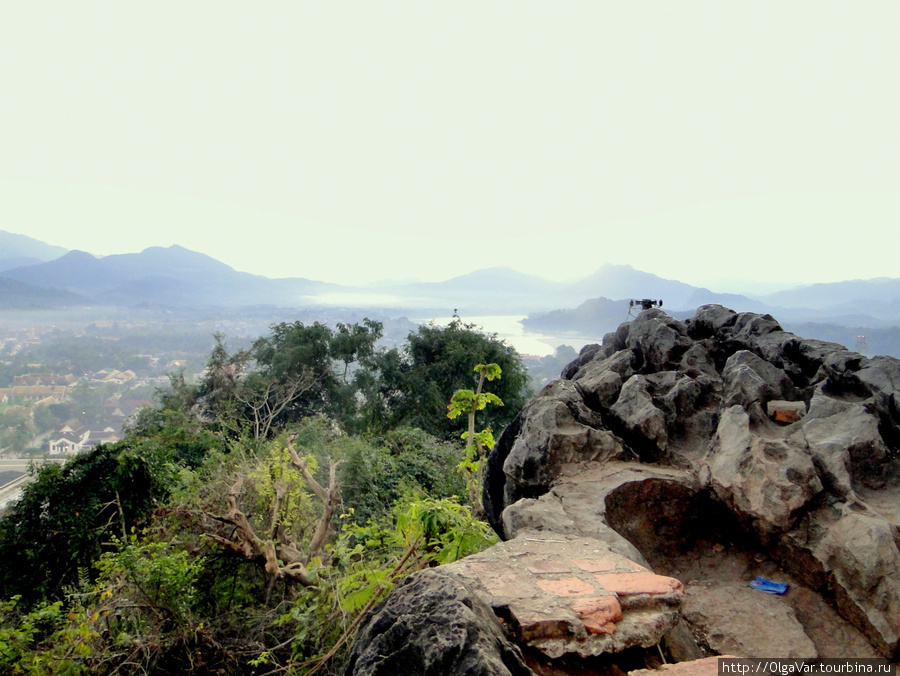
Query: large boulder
(434,624)
(860,551)
(764,481)
(748,379)
(660,340)
(556,427)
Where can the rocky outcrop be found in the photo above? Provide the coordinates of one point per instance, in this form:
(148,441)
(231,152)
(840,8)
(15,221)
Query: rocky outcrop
(640,493)
(794,441)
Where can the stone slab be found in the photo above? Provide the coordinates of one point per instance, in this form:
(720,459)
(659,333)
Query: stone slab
(744,622)
(569,594)
(708,666)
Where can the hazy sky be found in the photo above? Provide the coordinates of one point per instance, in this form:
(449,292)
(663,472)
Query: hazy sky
(357,141)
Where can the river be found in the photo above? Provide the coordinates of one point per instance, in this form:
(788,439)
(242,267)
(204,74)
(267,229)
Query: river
(510,329)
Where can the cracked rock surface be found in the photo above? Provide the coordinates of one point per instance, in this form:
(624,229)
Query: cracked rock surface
(721,426)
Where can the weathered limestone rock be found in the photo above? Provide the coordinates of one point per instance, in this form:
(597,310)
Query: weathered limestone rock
(765,481)
(609,502)
(696,395)
(600,381)
(586,355)
(639,416)
(748,327)
(861,552)
(811,354)
(547,514)
(697,361)
(710,320)
(661,340)
(750,379)
(848,449)
(822,405)
(433,624)
(556,428)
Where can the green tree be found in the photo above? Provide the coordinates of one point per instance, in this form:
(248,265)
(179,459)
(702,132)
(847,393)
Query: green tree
(412,385)
(297,352)
(60,524)
(468,403)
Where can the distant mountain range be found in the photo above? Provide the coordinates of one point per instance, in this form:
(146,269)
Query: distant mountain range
(168,276)
(19,250)
(36,274)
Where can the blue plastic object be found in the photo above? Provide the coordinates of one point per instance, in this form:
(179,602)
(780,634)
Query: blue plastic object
(764,585)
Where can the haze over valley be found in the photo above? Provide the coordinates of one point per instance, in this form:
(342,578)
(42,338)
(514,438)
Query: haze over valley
(42,281)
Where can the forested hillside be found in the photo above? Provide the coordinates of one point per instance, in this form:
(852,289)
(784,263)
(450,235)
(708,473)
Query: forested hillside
(247,521)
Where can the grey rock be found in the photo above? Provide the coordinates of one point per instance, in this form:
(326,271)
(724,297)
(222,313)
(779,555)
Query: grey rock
(848,449)
(547,514)
(748,379)
(661,340)
(637,413)
(605,501)
(586,355)
(554,428)
(812,354)
(881,376)
(683,398)
(823,405)
(697,361)
(749,327)
(765,481)
(775,347)
(710,320)
(434,625)
(740,621)
(693,395)
(600,381)
(861,552)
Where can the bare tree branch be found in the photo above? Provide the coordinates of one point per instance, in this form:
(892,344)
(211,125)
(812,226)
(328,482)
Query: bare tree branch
(280,559)
(330,497)
(266,404)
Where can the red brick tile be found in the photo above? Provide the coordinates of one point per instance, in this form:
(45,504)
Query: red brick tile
(599,614)
(568,586)
(603,564)
(631,584)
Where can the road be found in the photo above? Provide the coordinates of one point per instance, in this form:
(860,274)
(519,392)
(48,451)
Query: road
(15,476)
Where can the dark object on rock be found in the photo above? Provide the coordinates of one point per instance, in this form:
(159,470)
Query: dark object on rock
(645,303)
(433,625)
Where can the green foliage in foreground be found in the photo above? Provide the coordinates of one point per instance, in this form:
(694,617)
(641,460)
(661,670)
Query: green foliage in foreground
(170,599)
(56,530)
(247,523)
